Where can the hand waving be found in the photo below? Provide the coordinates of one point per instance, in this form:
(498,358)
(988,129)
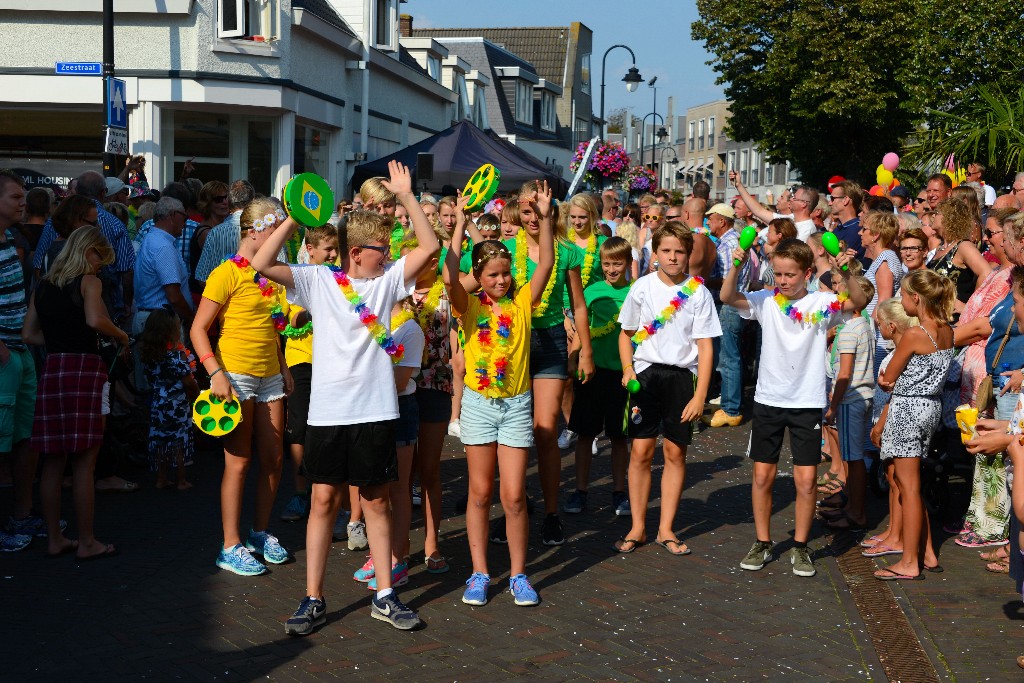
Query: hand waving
(401,179)
(541,199)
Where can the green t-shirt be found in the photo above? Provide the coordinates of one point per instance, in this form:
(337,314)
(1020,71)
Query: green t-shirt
(596,273)
(569,256)
(603,304)
(465,260)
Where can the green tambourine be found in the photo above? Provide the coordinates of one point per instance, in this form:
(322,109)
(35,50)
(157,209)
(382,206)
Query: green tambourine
(214,416)
(481,187)
(308,200)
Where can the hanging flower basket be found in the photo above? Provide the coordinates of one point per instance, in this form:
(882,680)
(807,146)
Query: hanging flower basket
(607,164)
(641,179)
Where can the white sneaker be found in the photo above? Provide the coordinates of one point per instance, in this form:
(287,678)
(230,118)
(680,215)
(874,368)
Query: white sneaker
(566,439)
(357,536)
(716,401)
(593,447)
(455,429)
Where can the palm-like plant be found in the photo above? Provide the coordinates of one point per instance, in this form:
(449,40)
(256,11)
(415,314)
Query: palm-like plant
(985,125)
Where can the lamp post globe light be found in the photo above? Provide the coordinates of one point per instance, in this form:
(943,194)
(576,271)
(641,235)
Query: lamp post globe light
(632,79)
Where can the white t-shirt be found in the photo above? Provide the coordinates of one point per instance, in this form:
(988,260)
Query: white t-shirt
(804,229)
(990,194)
(674,343)
(792,369)
(411,337)
(353,379)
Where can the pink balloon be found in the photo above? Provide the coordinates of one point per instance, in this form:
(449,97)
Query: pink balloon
(891,161)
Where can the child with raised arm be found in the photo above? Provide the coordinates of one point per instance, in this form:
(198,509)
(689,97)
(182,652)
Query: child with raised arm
(353,405)
(668,323)
(497,410)
(790,391)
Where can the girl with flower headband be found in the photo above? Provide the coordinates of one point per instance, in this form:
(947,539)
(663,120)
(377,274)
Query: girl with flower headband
(549,348)
(249,365)
(497,414)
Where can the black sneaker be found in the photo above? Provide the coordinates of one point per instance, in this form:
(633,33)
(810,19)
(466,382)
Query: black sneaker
(552,533)
(497,533)
(311,613)
(576,503)
(390,609)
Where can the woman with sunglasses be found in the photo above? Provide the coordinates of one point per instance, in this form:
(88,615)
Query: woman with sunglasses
(957,258)
(214,207)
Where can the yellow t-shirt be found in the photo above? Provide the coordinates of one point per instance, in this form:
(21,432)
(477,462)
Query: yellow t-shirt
(298,349)
(517,379)
(248,341)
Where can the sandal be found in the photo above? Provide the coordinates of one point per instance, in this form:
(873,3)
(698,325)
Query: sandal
(998,567)
(826,478)
(627,545)
(832,487)
(994,555)
(436,565)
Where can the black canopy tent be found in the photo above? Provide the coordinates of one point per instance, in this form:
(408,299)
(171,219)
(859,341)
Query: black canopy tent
(458,152)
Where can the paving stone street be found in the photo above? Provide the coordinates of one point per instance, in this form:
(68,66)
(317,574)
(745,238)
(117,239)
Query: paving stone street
(162,610)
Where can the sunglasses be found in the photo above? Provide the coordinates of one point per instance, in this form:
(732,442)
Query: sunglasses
(992,233)
(833,197)
(652,217)
(383,251)
(220,198)
(911,250)
(920,200)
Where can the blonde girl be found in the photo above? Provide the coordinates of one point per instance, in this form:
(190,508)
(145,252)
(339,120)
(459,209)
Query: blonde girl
(497,403)
(250,366)
(915,376)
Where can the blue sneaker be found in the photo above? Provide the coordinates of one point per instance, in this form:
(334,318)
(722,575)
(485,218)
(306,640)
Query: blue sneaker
(311,613)
(33,525)
(476,589)
(524,594)
(238,560)
(399,576)
(366,572)
(266,544)
(296,509)
(11,543)
(392,610)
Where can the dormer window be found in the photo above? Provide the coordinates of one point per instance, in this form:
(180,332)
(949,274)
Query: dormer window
(548,119)
(434,67)
(255,20)
(524,102)
(384,26)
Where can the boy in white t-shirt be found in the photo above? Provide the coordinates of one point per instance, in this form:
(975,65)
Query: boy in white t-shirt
(668,322)
(790,391)
(353,406)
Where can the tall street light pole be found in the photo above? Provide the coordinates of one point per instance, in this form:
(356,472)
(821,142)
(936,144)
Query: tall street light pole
(662,133)
(632,80)
(108,73)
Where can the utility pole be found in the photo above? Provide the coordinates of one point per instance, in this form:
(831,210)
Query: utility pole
(109,160)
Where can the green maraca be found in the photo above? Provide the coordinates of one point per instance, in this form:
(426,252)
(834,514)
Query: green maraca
(831,244)
(747,238)
(633,386)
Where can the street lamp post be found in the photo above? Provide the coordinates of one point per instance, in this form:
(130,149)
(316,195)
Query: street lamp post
(632,80)
(662,133)
(673,161)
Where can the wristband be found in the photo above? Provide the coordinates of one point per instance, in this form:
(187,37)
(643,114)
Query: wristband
(215,372)
(206,357)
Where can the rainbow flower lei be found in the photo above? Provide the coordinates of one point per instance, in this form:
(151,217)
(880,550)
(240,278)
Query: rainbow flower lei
(520,271)
(790,310)
(366,316)
(589,255)
(663,318)
(267,290)
(485,384)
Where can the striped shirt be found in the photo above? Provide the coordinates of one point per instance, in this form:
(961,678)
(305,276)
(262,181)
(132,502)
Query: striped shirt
(12,295)
(112,229)
(181,243)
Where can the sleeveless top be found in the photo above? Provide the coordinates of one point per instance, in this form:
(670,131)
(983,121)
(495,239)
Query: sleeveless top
(925,374)
(963,278)
(61,312)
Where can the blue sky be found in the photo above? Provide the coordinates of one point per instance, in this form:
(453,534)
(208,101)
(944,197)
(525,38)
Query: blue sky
(660,38)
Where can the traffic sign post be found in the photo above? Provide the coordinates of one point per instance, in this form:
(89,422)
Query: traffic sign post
(117,107)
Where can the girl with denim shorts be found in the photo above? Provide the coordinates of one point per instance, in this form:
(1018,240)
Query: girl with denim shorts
(497,422)
(248,364)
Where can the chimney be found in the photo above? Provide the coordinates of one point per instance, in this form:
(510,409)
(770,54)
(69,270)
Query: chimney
(405,25)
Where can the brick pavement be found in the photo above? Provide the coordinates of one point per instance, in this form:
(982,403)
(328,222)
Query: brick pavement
(162,610)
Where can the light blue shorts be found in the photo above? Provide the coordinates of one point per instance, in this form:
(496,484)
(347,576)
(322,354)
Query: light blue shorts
(507,421)
(852,421)
(263,389)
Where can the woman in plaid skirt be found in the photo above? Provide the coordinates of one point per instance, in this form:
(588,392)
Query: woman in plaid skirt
(67,315)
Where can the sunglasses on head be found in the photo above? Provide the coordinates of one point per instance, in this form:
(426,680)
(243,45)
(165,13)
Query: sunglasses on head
(651,217)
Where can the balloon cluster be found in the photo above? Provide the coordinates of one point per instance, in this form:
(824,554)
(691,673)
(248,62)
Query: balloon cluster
(957,175)
(884,178)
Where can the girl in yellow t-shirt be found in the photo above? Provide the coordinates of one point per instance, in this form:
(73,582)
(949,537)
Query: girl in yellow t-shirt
(497,414)
(249,364)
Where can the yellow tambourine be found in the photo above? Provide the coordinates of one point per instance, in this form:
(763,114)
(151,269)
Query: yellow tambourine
(214,416)
(481,187)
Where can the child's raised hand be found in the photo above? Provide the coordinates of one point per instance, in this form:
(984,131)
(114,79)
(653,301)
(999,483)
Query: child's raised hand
(460,203)
(739,256)
(401,178)
(842,261)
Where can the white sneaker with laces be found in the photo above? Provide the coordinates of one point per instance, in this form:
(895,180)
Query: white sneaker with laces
(566,439)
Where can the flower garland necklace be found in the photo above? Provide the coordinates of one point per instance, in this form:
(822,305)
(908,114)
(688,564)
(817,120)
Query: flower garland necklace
(485,383)
(597,332)
(589,255)
(266,289)
(182,349)
(366,316)
(663,318)
(429,305)
(520,272)
(401,318)
(790,310)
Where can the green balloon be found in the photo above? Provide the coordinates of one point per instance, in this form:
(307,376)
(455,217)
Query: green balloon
(831,244)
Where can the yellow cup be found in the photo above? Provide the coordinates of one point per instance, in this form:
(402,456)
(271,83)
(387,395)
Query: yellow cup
(966,418)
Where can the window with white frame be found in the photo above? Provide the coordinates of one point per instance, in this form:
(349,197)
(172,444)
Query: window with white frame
(480,109)
(711,132)
(732,161)
(524,102)
(461,97)
(384,25)
(255,20)
(755,167)
(585,74)
(700,134)
(693,141)
(548,120)
(744,157)
(709,169)
(792,175)
(580,131)
(434,67)
(769,174)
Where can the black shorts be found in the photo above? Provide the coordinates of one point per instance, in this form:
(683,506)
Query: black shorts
(549,353)
(598,405)
(769,426)
(298,404)
(657,407)
(435,405)
(359,454)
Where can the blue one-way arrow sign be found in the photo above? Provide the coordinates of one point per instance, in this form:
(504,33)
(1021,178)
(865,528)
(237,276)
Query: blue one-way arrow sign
(117,103)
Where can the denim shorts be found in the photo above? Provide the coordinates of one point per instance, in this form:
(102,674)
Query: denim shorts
(507,421)
(407,427)
(549,353)
(263,389)
(852,421)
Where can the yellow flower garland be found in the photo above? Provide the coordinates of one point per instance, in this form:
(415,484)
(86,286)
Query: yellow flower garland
(589,255)
(598,332)
(429,305)
(403,317)
(520,272)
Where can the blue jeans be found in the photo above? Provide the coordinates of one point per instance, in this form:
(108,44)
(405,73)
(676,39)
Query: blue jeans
(730,365)
(1005,404)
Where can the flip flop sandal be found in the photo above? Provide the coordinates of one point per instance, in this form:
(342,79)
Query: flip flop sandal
(880,551)
(680,547)
(437,565)
(833,487)
(890,575)
(626,545)
(871,542)
(937,569)
(993,555)
(826,478)
(998,567)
